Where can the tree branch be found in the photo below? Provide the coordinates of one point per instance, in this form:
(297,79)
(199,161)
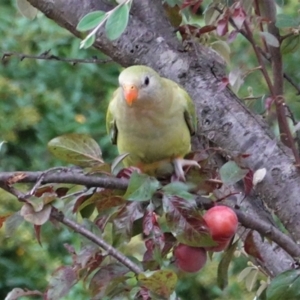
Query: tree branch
(269,231)
(72,176)
(48,56)
(97,240)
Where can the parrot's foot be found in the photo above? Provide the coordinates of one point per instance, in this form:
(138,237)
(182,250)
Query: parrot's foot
(179,163)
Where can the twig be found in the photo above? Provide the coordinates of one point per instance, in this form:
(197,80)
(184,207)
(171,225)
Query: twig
(286,135)
(72,176)
(97,240)
(41,177)
(265,55)
(10,189)
(292,82)
(47,56)
(269,231)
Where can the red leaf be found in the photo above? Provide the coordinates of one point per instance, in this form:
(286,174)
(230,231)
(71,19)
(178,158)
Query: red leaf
(123,222)
(3,218)
(222,26)
(79,202)
(186,222)
(248,182)
(223,84)
(149,221)
(194,4)
(37,229)
(127,172)
(143,294)
(43,189)
(268,103)
(245,155)
(238,16)
(232,36)
(206,29)
(105,277)
(62,191)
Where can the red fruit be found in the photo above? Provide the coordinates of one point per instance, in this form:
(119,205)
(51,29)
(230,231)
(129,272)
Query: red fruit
(222,223)
(220,247)
(189,259)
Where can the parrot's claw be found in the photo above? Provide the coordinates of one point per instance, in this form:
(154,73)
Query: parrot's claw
(179,163)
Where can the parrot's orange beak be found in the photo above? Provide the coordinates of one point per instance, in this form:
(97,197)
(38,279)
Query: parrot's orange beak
(130,93)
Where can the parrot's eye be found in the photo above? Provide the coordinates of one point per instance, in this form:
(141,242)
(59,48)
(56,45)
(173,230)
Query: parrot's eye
(146,82)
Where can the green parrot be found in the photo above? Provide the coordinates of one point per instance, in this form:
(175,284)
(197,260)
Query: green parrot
(152,119)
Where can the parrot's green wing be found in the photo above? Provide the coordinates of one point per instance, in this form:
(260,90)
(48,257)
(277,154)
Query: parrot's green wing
(111,125)
(189,111)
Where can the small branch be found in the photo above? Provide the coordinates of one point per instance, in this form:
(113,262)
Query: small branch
(292,82)
(47,56)
(71,176)
(269,231)
(97,240)
(264,54)
(286,135)
(10,189)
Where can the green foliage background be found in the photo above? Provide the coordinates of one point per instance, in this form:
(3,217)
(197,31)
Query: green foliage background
(40,100)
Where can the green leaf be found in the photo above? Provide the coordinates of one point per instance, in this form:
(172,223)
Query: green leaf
(285,286)
(270,39)
(117,22)
(141,187)
(2,143)
(77,149)
(223,49)
(180,189)
(12,223)
(161,282)
(86,43)
(91,20)
(26,9)
(231,173)
(222,279)
(283,21)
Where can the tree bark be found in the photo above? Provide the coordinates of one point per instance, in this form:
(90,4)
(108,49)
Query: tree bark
(222,116)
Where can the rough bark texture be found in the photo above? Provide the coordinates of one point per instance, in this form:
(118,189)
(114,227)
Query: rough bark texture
(148,40)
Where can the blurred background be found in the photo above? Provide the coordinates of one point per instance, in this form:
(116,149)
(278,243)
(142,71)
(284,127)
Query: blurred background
(41,99)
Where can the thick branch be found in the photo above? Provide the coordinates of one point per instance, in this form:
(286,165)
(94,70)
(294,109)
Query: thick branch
(97,240)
